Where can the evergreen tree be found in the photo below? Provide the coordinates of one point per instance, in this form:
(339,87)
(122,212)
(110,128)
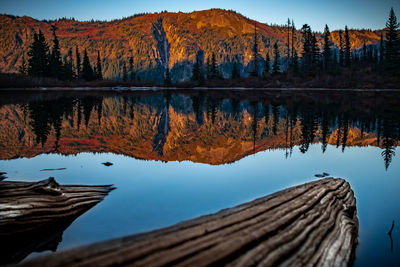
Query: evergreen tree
(235,71)
(124,72)
(381,50)
(307,55)
(267,64)
(327,48)
(315,52)
(214,67)
(196,70)
(392,42)
(347,47)
(67,71)
(276,65)
(208,68)
(87,71)
(364,56)
(255,53)
(99,74)
(78,63)
(167,79)
(293,37)
(131,71)
(38,56)
(341,49)
(23,69)
(295,62)
(55,64)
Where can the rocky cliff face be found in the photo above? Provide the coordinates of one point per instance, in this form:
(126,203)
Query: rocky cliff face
(158,40)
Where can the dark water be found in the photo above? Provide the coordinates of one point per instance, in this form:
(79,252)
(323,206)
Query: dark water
(180,154)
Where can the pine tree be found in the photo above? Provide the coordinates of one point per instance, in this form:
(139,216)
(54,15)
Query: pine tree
(131,71)
(87,71)
(381,50)
(307,54)
(235,71)
(364,56)
(67,67)
(341,49)
(392,54)
(196,71)
(55,56)
(315,52)
(124,73)
(214,67)
(267,64)
(208,68)
(276,65)
(327,48)
(38,56)
(99,74)
(167,79)
(293,37)
(347,47)
(255,53)
(295,62)
(78,63)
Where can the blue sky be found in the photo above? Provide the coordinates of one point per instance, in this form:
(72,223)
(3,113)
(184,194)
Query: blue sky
(354,13)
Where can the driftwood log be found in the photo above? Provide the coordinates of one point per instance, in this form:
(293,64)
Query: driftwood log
(34,215)
(311,224)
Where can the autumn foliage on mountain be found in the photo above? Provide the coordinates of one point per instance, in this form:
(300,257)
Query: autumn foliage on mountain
(163,40)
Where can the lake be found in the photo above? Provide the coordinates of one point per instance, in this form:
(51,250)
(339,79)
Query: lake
(178,154)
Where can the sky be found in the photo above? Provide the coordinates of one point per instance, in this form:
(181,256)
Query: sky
(370,14)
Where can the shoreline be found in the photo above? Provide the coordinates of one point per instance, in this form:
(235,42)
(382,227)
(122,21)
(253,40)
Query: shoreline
(156,88)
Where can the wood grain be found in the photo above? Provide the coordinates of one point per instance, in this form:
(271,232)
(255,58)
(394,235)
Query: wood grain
(34,215)
(311,224)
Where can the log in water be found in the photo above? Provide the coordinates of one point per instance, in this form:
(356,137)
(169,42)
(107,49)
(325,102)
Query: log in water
(34,215)
(311,224)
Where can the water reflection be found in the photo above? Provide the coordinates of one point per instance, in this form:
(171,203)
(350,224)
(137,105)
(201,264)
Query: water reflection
(213,127)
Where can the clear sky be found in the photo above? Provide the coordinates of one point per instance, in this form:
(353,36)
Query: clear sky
(355,13)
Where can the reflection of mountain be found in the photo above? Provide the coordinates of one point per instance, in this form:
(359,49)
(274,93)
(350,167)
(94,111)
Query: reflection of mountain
(207,127)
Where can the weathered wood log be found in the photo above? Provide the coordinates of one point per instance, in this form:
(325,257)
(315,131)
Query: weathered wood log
(311,224)
(34,215)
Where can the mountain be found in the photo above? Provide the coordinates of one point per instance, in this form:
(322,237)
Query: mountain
(158,40)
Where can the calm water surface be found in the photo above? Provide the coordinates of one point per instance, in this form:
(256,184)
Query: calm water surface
(181,154)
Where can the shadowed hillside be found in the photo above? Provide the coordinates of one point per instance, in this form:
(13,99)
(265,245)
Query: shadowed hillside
(158,40)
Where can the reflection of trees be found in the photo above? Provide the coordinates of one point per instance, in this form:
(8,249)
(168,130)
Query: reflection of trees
(39,114)
(308,127)
(388,151)
(286,122)
(197,105)
(47,114)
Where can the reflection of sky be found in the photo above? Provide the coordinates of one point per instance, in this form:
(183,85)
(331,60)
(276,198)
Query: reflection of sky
(153,194)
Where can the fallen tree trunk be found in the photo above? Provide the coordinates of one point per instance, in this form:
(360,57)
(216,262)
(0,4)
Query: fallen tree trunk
(311,224)
(34,215)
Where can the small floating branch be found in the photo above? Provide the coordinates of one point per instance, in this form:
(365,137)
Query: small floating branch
(57,169)
(391,229)
(314,224)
